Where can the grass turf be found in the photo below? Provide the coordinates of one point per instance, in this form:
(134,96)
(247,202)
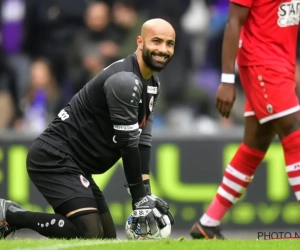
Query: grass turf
(176,244)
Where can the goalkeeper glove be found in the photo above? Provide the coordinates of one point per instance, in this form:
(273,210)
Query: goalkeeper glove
(145,210)
(162,205)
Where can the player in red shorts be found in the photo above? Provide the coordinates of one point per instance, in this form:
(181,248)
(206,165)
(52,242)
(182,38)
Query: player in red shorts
(262,35)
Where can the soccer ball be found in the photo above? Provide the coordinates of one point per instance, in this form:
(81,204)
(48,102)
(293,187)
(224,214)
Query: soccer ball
(136,235)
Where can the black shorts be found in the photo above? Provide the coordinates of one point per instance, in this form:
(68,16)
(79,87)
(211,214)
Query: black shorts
(64,185)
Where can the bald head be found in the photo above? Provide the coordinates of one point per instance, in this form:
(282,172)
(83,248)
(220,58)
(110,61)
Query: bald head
(156,43)
(157,26)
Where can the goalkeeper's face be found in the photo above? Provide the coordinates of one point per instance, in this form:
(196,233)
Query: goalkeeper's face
(155,59)
(158,43)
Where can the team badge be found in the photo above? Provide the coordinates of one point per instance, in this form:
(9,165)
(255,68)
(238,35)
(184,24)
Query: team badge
(84,181)
(270,108)
(151,103)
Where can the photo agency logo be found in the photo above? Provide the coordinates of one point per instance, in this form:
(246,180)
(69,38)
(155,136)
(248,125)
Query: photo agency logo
(277,235)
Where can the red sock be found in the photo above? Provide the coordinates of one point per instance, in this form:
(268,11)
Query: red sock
(291,148)
(236,179)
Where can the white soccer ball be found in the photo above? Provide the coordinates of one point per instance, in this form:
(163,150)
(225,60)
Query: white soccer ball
(136,235)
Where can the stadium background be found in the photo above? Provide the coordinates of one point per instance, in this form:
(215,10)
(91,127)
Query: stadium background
(49,49)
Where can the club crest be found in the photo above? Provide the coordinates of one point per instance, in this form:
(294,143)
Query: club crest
(84,181)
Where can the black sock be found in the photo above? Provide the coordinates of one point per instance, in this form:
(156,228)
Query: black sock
(48,225)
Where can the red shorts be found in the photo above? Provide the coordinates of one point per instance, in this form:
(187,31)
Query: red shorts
(270,92)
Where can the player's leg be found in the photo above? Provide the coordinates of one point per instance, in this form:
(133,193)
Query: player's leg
(109,230)
(4,227)
(239,172)
(85,224)
(83,214)
(271,92)
(236,179)
(282,105)
(288,128)
(59,180)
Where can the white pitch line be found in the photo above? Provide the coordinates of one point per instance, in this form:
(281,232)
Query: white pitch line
(69,245)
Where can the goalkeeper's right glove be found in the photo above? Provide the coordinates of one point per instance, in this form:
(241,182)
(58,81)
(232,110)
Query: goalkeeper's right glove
(162,205)
(145,210)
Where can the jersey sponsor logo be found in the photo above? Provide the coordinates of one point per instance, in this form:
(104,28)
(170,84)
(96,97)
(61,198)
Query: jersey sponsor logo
(126,127)
(289,13)
(84,181)
(151,103)
(152,90)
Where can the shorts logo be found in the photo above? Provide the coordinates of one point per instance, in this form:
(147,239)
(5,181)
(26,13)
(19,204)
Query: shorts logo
(84,181)
(270,108)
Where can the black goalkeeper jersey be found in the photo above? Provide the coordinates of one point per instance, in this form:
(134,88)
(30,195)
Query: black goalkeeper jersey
(117,98)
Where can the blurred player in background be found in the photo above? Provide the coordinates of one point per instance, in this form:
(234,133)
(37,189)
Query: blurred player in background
(109,118)
(266,58)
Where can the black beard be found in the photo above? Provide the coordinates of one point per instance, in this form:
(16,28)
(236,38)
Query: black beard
(147,57)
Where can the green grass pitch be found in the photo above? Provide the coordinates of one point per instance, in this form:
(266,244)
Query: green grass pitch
(174,244)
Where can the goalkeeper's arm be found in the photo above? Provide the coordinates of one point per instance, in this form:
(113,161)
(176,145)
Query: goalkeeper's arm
(145,155)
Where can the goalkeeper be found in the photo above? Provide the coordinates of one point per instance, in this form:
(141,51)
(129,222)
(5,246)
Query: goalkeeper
(108,119)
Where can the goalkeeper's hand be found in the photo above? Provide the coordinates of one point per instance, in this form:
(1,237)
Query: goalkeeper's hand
(162,205)
(145,210)
(163,208)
